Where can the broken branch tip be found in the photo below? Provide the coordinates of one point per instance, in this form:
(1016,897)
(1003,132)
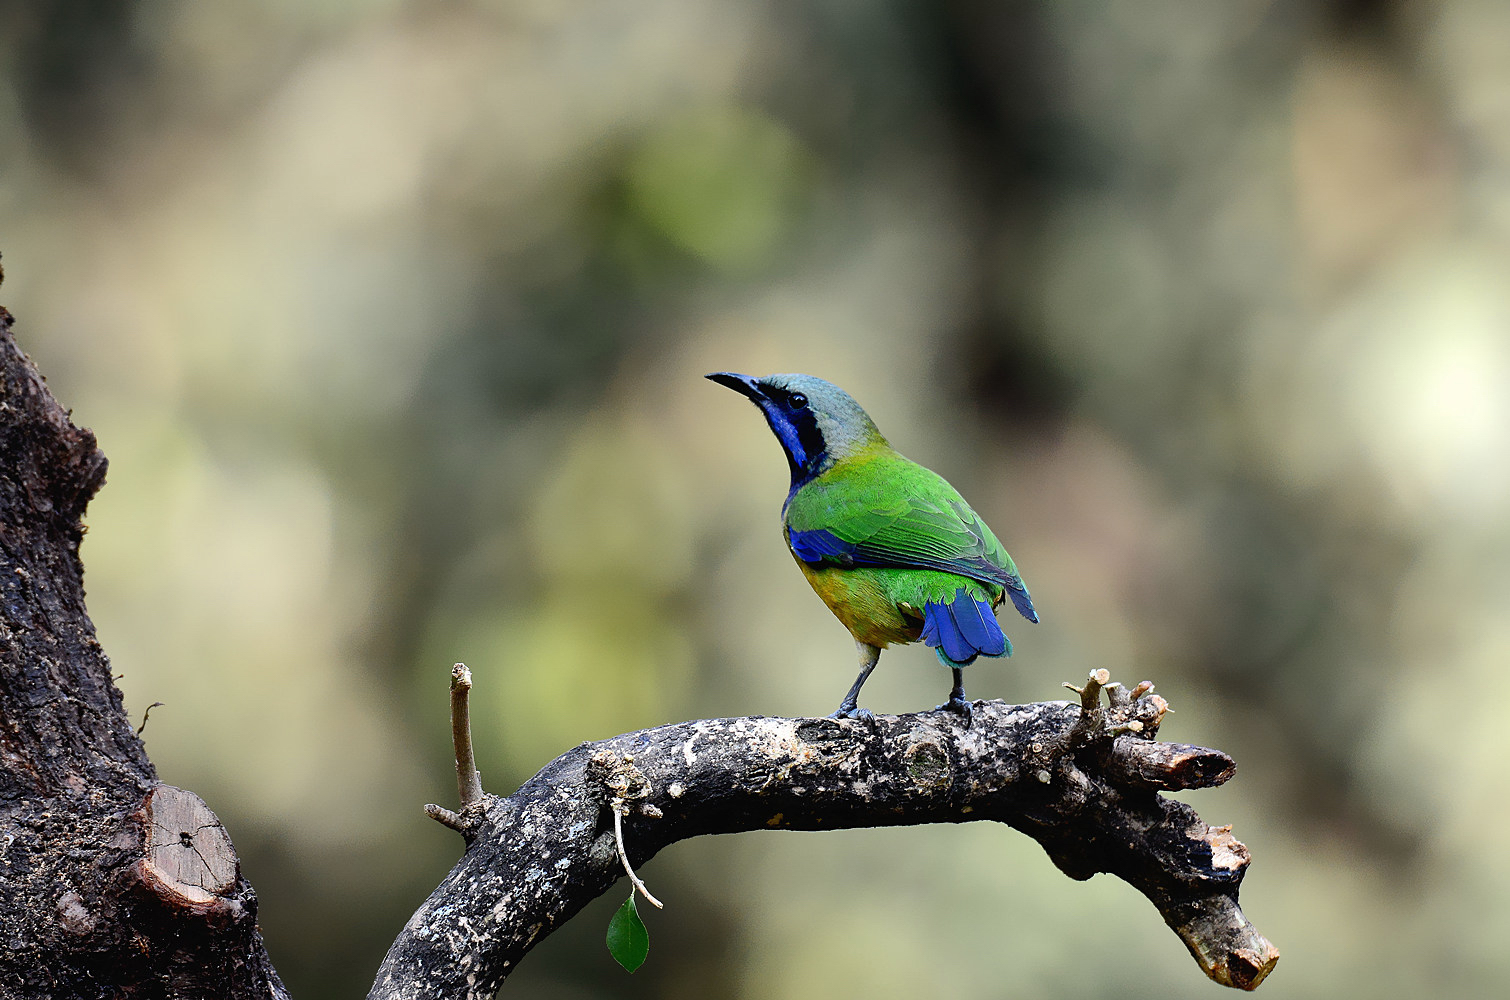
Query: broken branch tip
(445,817)
(461,677)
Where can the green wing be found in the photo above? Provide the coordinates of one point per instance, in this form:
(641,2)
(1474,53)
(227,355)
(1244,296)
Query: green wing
(897,513)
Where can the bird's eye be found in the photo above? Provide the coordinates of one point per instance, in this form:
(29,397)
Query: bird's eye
(796,400)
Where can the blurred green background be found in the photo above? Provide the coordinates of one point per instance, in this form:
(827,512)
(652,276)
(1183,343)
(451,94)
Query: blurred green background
(392,318)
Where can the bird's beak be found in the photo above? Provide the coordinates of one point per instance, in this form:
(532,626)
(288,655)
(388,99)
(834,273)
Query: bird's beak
(743,384)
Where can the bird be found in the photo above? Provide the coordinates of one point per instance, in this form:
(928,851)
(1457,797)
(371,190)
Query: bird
(893,550)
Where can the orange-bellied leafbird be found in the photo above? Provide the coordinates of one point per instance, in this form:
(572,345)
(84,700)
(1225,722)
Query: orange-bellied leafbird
(892,548)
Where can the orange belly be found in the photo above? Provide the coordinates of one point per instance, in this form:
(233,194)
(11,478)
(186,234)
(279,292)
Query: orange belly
(860,602)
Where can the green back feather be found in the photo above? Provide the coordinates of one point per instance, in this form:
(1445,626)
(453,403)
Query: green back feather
(901,514)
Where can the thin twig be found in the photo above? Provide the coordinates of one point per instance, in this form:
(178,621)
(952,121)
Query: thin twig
(468,781)
(618,836)
(446,817)
(1090,695)
(1088,726)
(155,704)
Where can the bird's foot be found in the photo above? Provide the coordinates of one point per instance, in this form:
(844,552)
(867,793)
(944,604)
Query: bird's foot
(852,711)
(960,705)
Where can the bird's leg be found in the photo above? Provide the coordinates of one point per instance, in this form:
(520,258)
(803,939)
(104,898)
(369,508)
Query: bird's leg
(957,701)
(849,708)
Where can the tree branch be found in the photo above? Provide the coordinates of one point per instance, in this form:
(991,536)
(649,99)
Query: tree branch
(1079,779)
(468,781)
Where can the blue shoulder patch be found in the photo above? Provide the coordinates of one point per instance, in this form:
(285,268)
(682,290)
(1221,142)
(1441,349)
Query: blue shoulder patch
(821,545)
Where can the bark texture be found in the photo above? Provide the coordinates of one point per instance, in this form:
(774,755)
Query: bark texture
(1081,779)
(111,883)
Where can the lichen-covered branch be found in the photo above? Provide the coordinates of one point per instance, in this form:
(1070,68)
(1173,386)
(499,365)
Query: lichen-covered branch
(1081,779)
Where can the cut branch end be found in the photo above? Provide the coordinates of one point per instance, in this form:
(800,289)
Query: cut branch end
(1228,948)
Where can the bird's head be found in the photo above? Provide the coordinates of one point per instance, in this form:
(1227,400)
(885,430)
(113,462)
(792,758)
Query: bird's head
(816,422)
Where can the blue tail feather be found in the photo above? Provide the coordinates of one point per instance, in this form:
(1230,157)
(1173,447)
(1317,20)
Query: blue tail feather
(952,641)
(963,629)
(931,616)
(977,623)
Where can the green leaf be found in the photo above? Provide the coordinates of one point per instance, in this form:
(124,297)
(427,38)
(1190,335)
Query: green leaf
(628,940)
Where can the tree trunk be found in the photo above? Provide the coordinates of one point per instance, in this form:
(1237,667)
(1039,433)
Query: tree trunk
(112,884)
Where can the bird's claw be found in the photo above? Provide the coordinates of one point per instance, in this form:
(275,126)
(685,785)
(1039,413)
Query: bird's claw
(960,706)
(864,715)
